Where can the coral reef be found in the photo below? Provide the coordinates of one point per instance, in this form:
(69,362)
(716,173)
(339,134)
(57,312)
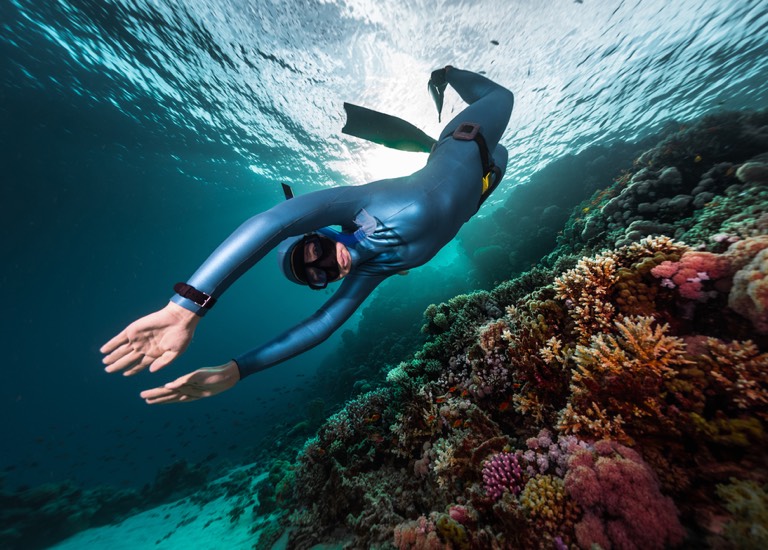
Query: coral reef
(614,395)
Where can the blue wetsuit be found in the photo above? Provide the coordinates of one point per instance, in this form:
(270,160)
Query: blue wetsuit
(416,216)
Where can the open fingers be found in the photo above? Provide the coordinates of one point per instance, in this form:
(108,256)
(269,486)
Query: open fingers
(140,366)
(173,397)
(118,353)
(114,343)
(170,399)
(127,361)
(163,360)
(162,395)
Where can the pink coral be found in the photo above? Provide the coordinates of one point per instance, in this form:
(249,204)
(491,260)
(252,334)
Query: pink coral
(690,273)
(623,506)
(502,473)
(461,514)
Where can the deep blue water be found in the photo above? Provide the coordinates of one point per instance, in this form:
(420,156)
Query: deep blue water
(137,134)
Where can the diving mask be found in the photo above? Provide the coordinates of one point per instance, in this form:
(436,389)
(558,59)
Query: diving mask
(313,261)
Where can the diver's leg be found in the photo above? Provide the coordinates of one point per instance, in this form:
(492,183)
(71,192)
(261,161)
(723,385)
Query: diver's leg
(490,105)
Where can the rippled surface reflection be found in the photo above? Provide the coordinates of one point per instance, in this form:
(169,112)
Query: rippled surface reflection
(266,80)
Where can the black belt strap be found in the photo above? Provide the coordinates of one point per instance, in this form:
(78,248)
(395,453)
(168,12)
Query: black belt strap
(202,299)
(470,131)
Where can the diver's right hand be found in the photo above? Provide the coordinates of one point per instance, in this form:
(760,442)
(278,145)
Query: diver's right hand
(152,341)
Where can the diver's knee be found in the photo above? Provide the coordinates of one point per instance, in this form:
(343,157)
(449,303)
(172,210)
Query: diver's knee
(500,157)
(508,98)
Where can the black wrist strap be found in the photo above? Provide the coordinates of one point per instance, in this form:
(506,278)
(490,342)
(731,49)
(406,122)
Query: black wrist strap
(202,299)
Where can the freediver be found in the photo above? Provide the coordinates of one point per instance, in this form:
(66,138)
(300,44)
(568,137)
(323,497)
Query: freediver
(387,226)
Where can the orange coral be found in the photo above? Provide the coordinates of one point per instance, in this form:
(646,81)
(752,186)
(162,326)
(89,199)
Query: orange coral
(740,371)
(586,290)
(620,378)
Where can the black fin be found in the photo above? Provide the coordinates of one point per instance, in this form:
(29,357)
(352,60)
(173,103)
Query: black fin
(385,130)
(287,191)
(436,87)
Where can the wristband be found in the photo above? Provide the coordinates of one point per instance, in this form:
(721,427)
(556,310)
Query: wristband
(205,301)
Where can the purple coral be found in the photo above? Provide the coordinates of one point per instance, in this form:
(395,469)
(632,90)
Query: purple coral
(545,453)
(502,472)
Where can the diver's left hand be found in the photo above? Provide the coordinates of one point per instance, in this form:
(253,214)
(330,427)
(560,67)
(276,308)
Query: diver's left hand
(195,385)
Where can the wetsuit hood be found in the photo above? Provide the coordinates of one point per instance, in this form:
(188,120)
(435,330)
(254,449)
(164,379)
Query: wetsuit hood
(284,251)
(366,226)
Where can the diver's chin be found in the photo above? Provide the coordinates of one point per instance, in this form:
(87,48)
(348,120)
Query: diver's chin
(344,260)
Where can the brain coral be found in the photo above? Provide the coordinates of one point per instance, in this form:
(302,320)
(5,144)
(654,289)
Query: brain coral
(749,294)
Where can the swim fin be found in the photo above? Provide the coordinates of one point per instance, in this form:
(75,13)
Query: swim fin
(384,129)
(436,87)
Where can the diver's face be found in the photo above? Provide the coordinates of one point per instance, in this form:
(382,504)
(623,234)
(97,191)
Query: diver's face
(325,261)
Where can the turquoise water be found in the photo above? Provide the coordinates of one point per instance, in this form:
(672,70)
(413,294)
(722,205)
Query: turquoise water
(136,135)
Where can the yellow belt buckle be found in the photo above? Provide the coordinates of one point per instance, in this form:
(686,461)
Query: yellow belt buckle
(486,182)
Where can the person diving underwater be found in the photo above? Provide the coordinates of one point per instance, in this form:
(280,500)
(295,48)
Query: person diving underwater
(387,226)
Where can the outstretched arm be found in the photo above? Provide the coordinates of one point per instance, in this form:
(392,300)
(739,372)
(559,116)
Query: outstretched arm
(214,380)
(157,339)
(353,291)
(252,240)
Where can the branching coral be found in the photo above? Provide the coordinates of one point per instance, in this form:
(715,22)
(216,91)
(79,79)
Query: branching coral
(420,534)
(454,323)
(585,290)
(547,454)
(536,358)
(620,378)
(738,377)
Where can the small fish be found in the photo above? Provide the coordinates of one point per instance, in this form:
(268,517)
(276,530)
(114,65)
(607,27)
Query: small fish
(504,406)
(458,423)
(697,158)
(373,418)
(440,399)
(495,42)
